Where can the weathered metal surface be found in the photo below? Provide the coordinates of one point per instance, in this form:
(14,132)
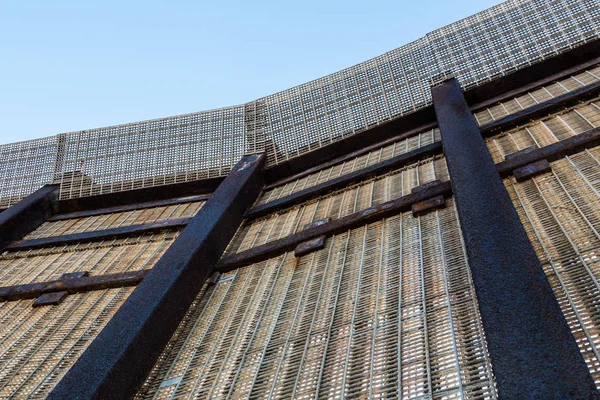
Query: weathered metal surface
(317,223)
(425,186)
(73,275)
(371,214)
(520,152)
(310,246)
(72,284)
(345,180)
(26,215)
(551,152)
(120,358)
(533,352)
(50,299)
(129,207)
(531,170)
(98,235)
(426,206)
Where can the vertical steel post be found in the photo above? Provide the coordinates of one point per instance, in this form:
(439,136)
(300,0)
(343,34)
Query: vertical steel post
(26,215)
(118,361)
(533,352)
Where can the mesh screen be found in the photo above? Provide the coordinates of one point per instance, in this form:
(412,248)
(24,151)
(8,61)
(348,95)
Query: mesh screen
(115,220)
(338,204)
(561,213)
(39,345)
(383,310)
(355,164)
(477,49)
(537,96)
(101,257)
(548,130)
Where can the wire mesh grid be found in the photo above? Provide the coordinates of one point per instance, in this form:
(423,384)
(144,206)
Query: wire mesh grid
(102,257)
(561,213)
(530,99)
(325,110)
(115,220)
(25,166)
(547,130)
(384,311)
(346,167)
(338,204)
(39,345)
(512,35)
(477,49)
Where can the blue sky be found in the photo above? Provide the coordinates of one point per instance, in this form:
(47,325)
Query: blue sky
(73,65)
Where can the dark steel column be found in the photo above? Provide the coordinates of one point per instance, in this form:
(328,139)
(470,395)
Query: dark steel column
(26,215)
(533,352)
(120,358)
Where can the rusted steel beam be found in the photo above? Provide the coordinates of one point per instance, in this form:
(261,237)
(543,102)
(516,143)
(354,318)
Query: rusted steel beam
(129,207)
(426,206)
(72,285)
(532,350)
(94,236)
(345,180)
(552,152)
(118,361)
(540,110)
(26,215)
(371,214)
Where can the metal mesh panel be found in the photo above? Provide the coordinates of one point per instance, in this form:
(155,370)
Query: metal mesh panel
(537,96)
(339,204)
(25,167)
(115,220)
(561,213)
(512,35)
(102,257)
(383,310)
(546,131)
(357,163)
(39,345)
(477,49)
(152,153)
(325,110)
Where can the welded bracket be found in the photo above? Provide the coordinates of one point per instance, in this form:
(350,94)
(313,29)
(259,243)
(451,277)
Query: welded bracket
(428,205)
(314,244)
